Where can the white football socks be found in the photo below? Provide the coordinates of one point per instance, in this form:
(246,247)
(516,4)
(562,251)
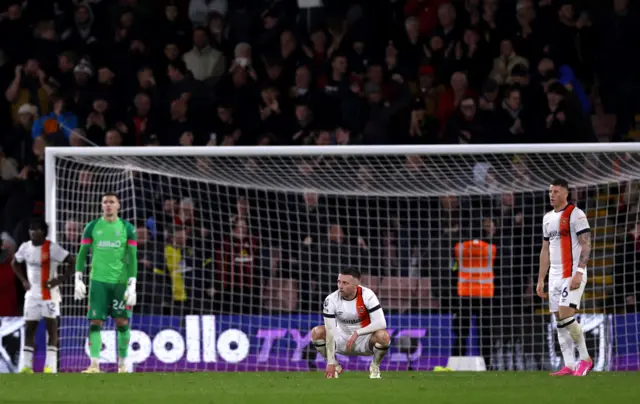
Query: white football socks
(51,360)
(575,330)
(379,351)
(27,357)
(566,344)
(321,347)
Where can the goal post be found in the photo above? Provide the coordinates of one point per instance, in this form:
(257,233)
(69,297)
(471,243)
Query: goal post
(239,246)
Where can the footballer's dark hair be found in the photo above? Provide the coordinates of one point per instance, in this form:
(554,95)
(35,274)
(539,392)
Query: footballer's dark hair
(560,182)
(38,223)
(111,194)
(351,271)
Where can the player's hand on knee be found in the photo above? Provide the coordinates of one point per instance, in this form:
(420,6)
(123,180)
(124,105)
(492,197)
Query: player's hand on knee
(79,290)
(330,372)
(130,294)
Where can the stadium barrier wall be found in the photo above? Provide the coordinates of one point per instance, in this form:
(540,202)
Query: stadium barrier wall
(270,343)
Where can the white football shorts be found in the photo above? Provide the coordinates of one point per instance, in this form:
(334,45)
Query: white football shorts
(360,348)
(36,309)
(560,293)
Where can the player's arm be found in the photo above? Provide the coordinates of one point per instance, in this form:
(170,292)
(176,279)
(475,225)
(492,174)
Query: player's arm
(581,226)
(80,290)
(376,317)
(85,246)
(583,231)
(132,251)
(329,314)
(545,261)
(132,264)
(19,267)
(66,259)
(585,243)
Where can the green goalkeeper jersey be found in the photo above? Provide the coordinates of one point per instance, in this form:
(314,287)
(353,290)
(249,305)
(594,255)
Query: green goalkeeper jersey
(114,250)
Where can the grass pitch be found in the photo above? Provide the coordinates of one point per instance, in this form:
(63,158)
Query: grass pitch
(311,388)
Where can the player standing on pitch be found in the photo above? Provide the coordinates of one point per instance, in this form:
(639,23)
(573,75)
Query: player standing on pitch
(354,325)
(565,252)
(114,267)
(41,258)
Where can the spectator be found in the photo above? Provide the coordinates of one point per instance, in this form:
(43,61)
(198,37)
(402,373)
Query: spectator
(451,98)
(17,145)
(29,85)
(59,121)
(200,9)
(503,65)
(466,126)
(204,62)
(238,274)
(511,122)
(8,290)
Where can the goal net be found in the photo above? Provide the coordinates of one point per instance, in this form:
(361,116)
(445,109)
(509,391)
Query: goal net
(239,246)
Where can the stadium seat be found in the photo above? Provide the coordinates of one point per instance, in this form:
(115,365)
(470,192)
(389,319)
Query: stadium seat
(371,282)
(397,292)
(280,295)
(604,126)
(424,295)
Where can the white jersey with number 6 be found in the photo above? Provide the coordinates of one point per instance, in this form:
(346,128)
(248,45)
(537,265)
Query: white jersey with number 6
(561,229)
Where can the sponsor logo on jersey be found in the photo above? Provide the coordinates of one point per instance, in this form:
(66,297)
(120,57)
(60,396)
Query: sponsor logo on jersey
(109,244)
(349,321)
(555,234)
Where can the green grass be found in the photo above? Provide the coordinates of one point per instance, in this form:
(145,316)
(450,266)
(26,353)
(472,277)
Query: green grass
(311,388)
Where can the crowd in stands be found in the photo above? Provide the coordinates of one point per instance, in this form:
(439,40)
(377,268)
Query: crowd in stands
(99,73)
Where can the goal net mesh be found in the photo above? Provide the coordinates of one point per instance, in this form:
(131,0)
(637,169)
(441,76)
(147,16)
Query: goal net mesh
(236,255)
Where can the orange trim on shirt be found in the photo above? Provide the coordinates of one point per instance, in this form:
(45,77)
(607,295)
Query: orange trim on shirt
(566,246)
(363,313)
(45,258)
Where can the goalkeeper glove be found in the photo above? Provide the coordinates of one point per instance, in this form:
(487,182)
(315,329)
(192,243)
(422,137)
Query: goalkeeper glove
(80,291)
(130,294)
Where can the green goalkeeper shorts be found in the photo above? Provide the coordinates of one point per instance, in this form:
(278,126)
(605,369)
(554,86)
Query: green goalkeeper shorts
(107,299)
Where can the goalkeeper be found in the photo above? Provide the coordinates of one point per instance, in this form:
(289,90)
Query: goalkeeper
(112,289)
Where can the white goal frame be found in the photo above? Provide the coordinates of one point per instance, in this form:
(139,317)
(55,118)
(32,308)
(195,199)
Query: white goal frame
(378,153)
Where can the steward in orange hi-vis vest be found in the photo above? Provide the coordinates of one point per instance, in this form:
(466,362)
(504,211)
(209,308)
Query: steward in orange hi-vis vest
(475,268)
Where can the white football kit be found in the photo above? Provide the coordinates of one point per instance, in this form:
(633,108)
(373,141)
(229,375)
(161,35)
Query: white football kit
(561,229)
(351,315)
(40,301)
